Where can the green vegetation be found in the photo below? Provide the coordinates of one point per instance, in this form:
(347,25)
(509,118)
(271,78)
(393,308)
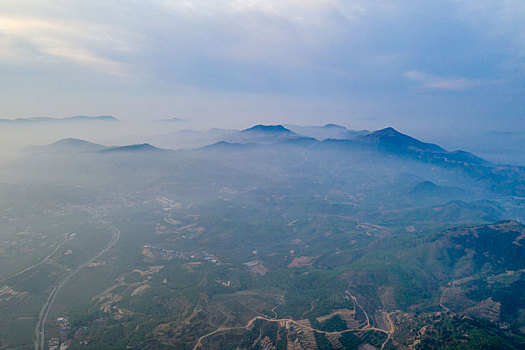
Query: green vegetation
(259,249)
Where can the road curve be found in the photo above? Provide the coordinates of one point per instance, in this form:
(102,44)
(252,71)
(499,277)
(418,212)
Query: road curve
(39,340)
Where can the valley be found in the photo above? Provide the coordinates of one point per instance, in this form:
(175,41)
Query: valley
(282,243)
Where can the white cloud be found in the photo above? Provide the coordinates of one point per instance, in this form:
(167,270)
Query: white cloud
(127,39)
(431,81)
(362,49)
(33,41)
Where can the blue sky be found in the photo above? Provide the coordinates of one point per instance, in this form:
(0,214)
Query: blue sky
(432,66)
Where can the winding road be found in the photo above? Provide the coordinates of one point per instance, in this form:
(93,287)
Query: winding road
(367,328)
(39,339)
(392,329)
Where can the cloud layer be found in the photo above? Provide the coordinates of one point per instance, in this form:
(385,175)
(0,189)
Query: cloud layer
(351,59)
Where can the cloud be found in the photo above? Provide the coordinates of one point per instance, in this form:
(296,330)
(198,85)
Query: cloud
(166,40)
(430,81)
(41,41)
(194,53)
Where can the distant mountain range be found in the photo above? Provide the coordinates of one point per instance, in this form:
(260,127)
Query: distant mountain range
(171,120)
(80,118)
(81,146)
(392,141)
(328,131)
(264,134)
(144,147)
(68,145)
(269,130)
(505,179)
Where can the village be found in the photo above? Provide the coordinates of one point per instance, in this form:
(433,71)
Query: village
(151,251)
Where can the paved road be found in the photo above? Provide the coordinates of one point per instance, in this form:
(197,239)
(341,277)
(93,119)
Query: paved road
(39,263)
(39,340)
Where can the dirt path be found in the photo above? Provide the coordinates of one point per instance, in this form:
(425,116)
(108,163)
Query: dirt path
(441,302)
(391,331)
(357,303)
(275,308)
(367,328)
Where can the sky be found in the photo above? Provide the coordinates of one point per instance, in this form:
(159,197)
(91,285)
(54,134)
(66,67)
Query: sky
(421,66)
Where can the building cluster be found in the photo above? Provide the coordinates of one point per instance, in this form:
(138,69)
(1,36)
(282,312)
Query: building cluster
(61,342)
(168,254)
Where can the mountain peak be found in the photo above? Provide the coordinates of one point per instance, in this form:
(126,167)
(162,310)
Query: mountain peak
(274,129)
(70,141)
(393,139)
(78,118)
(334,126)
(426,185)
(67,145)
(388,131)
(171,120)
(87,118)
(144,147)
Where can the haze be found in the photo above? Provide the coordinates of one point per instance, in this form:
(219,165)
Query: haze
(427,67)
(262,174)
